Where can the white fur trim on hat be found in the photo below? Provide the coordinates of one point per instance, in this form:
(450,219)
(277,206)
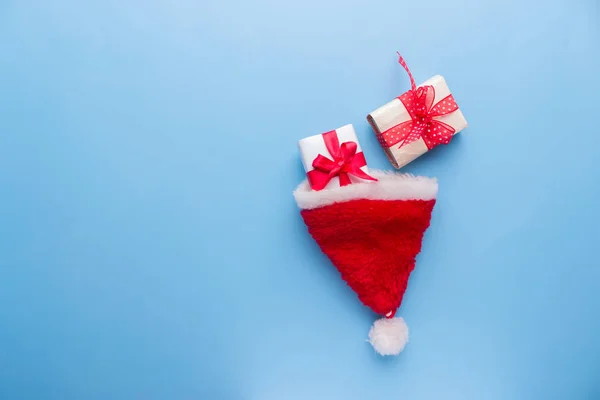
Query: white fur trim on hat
(390,186)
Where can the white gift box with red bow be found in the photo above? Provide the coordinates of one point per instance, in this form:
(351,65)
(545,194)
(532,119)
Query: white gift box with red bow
(343,165)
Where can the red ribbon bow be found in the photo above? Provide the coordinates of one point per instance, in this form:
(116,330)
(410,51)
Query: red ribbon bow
(346,161)
(422,111)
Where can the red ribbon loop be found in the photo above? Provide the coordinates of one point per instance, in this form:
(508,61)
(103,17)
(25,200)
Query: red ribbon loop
(419,102)
(346,161)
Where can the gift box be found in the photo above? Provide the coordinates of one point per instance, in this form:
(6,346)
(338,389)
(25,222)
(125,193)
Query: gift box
(334,159)
(417,121)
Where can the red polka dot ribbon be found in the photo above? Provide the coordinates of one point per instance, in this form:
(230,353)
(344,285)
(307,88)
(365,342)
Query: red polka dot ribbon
(346,161)
(422,111)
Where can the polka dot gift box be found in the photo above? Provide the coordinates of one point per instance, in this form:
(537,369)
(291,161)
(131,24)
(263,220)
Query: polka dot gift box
(418,120)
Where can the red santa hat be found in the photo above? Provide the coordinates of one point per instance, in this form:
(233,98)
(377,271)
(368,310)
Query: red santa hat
(372,233)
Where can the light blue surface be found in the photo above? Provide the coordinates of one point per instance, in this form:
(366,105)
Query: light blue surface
(150,247)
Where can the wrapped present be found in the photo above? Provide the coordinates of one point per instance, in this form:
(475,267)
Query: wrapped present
(418,120)
(334,159)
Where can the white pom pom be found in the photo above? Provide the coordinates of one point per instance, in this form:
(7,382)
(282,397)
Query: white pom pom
(388,336)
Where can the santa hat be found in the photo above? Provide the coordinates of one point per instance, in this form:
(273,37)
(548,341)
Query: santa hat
(372,233)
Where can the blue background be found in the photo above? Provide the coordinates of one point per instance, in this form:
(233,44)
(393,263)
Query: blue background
(150,247)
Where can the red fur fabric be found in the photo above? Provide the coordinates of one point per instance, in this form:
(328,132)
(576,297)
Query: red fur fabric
(373,243)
